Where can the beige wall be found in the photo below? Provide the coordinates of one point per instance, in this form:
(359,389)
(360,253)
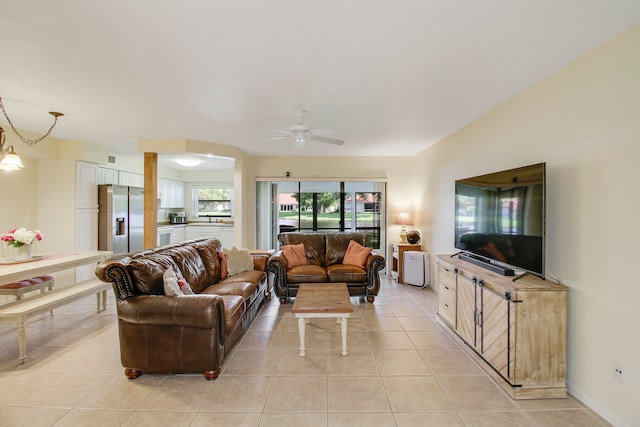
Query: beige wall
(18,189)
(584,122)
(18,199)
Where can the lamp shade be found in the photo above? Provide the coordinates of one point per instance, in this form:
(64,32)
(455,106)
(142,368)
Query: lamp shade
(11,162)
(403,218)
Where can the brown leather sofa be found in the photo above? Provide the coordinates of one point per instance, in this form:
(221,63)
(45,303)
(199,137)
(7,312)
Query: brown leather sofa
(187,333)
(325,253)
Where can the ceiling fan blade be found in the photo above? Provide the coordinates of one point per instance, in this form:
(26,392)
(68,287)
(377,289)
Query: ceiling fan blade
(321,132)
(326,139)
(278,130)
(279,137)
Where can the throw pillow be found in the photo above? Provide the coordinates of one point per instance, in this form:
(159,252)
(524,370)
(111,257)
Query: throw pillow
(171,286)
(356,254)
(295,255)
(224,269)
(184,286)
(238,260)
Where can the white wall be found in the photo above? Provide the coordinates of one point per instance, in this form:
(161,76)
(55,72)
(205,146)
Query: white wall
(584,122)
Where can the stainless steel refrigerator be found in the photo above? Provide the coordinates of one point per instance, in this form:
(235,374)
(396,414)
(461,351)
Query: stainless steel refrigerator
(120,218)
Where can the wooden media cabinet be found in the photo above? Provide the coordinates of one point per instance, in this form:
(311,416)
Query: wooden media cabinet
(515,330)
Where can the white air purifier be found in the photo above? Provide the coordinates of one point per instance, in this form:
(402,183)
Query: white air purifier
(415,268)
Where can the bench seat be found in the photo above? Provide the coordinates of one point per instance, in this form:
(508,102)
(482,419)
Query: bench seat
(22,309)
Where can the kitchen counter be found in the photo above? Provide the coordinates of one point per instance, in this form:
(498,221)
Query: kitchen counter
(209,224)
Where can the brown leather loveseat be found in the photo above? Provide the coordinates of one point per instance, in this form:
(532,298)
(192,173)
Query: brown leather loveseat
(186,333)
(324,255)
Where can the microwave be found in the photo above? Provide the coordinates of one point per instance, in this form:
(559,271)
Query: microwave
(178,218)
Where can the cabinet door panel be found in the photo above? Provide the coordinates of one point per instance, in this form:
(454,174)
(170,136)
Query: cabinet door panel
(465,311)
(498,332)
(86,186)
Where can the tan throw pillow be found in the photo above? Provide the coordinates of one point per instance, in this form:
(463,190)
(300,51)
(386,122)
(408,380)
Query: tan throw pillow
(295,255)
(238,260)
(171,286)
(356,254)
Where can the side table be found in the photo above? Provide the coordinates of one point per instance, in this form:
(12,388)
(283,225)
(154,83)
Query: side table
(397,251)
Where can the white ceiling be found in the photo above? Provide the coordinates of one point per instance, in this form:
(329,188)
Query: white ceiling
(388,77)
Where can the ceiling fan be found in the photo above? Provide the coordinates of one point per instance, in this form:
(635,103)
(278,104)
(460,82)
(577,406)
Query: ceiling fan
(301,133)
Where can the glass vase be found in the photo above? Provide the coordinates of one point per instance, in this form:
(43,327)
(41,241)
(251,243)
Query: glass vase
(22,253)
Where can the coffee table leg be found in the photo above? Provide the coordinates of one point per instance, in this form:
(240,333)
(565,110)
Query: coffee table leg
(301,323)
(343,329)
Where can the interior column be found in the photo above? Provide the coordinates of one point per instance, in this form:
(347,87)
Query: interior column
(150,200)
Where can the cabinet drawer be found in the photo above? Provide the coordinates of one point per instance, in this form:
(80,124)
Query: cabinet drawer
(447,311)
(446,293)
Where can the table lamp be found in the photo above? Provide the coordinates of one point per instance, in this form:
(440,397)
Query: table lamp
(403,219)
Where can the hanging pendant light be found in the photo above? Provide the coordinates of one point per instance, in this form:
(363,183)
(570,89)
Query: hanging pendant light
(10,161)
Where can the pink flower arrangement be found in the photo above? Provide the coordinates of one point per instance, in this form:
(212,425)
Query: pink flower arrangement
(21,236)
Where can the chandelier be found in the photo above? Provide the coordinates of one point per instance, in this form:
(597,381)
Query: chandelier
(9,160)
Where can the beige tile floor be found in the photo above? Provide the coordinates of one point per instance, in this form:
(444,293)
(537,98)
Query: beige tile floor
(402,370)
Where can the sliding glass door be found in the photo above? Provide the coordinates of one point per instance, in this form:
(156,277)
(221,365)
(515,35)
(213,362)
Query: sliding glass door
(323,207)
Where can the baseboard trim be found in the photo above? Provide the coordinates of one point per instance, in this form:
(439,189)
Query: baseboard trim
(596,406)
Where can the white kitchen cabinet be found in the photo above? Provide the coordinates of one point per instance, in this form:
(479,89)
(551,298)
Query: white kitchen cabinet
(86,186)
(170,193)
(176,194)
(86,232)
(163,198)
(178,234)
(86,239)
(131,179)
(221,232)
(198,231)
(107,176)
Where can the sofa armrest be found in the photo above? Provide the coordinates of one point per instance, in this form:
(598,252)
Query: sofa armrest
(114,270)
(278,266)
(278,260)
(259,261)
(192,311)
(372,266)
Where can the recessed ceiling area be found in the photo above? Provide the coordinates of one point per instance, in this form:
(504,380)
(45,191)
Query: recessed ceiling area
(388,78)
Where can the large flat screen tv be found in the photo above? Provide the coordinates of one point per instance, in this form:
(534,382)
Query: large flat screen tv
(500,218)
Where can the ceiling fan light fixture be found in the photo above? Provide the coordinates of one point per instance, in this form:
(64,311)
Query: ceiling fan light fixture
(299,141)
(189,163)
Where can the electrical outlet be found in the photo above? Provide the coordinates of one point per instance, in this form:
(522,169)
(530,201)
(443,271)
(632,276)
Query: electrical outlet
(618,372)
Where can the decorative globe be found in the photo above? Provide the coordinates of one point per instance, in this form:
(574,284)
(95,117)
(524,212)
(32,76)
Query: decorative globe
(413,237)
